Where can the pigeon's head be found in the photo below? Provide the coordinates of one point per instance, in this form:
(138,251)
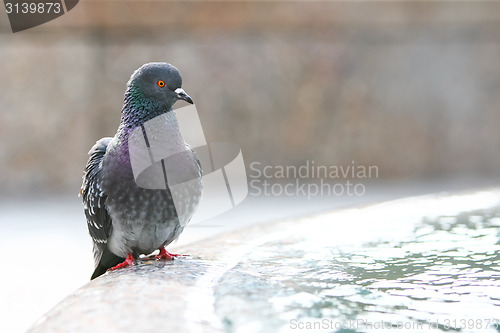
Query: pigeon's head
(158,83)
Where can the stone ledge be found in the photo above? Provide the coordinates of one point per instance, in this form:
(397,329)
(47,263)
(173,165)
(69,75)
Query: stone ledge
(173,295)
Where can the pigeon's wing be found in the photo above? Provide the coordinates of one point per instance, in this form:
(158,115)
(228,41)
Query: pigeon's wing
(94,199)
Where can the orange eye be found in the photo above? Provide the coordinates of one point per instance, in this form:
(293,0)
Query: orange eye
(161,83)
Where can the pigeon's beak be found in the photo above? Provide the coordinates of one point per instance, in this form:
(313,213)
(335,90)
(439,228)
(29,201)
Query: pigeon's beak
(181,94)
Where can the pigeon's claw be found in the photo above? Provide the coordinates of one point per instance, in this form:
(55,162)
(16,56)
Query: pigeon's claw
(164,254)
(129,261)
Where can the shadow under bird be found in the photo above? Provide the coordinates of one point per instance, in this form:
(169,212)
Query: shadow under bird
(124,219)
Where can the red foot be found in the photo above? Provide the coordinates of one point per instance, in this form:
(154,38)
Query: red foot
(129,261)
(164,254)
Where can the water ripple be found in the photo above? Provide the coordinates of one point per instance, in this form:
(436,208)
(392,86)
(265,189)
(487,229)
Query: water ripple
(446,274)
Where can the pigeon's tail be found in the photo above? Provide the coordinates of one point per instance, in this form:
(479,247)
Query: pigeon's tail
(108,260)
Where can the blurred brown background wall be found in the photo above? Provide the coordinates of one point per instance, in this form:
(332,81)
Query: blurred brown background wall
(412,87)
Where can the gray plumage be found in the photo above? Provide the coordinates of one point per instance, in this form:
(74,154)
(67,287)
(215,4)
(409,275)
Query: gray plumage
(122,217)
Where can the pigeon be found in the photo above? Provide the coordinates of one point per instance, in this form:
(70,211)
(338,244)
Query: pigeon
(124,219)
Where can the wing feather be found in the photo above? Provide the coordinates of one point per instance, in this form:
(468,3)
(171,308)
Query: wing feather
(94,199)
